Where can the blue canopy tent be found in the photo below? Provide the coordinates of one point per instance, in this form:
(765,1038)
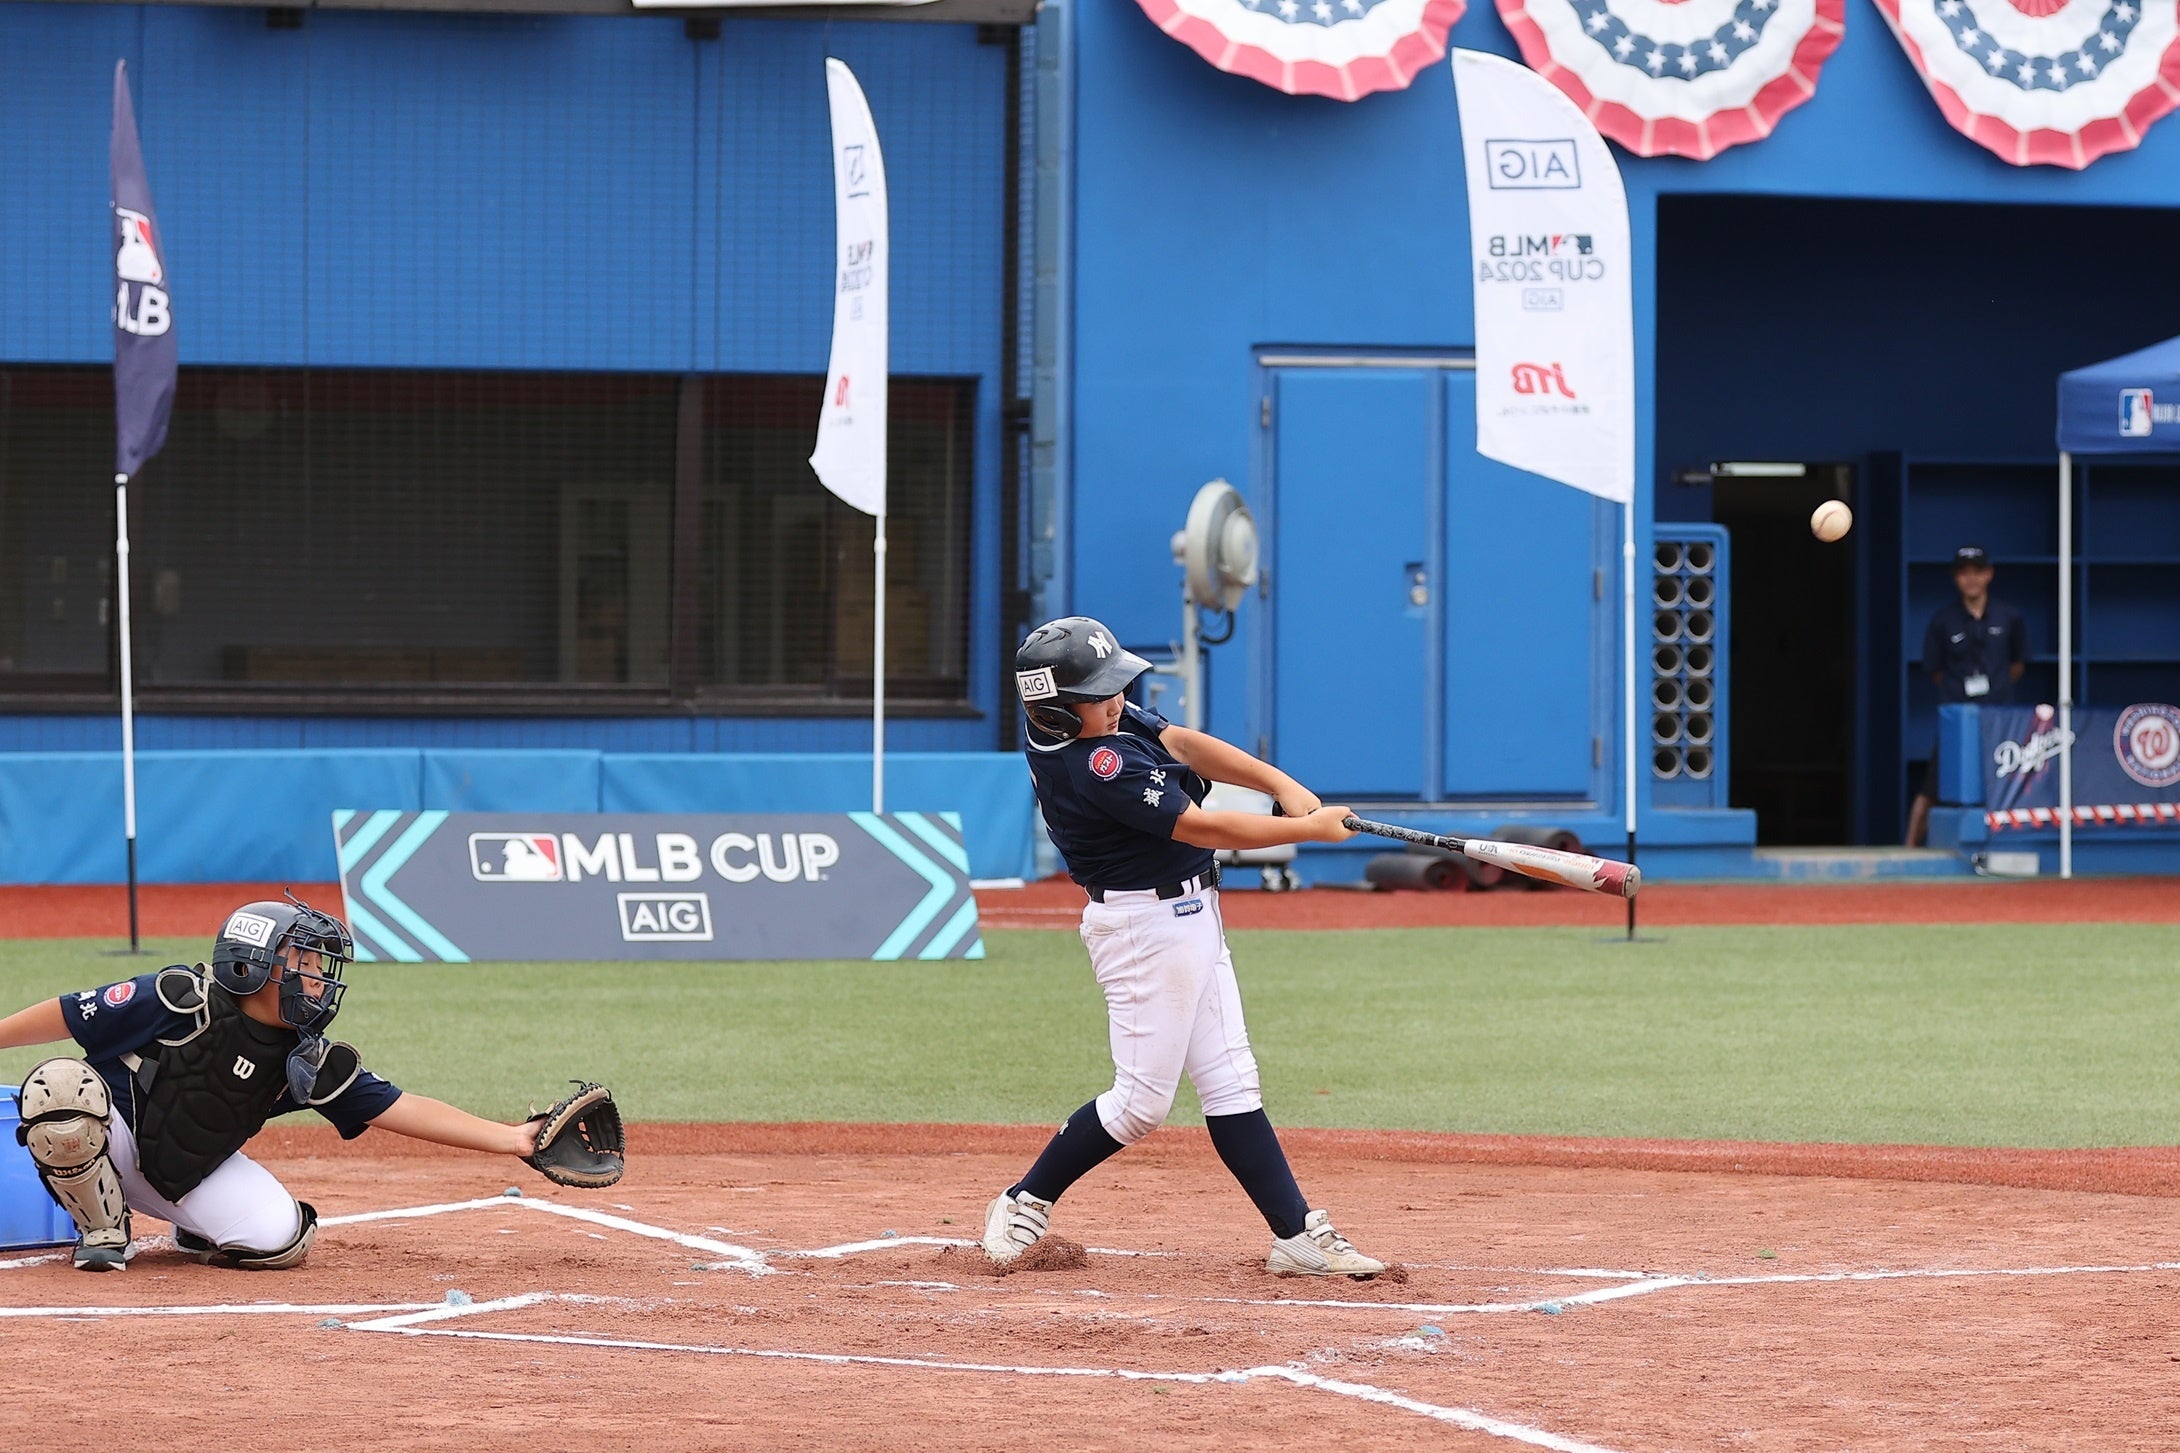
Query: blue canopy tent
(2128,405)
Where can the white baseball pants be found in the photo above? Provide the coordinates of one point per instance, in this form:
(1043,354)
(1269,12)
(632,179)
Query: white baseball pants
(239,1204)
(1171,1006)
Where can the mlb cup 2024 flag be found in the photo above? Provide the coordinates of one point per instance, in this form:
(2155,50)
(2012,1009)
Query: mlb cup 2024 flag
(1679,77)
(1344,49)
(1548,234)
(850,457)
(2045,82)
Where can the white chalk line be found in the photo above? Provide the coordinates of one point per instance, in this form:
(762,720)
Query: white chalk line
(738,1258)
(227,1309)
(1467,1418)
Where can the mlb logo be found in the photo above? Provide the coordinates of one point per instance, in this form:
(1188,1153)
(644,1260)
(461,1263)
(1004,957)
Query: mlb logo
(514,857)
(2135,406)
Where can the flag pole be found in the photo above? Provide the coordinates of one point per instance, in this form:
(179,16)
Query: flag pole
(1627,671)
(128,691)
(878,673)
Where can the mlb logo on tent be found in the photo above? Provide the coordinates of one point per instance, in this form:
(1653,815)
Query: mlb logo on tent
(2135,413)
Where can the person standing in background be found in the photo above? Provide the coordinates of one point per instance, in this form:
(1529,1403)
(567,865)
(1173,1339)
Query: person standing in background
(1975,649)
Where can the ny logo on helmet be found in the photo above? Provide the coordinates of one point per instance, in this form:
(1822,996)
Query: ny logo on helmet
(1099,644)
(244,1067)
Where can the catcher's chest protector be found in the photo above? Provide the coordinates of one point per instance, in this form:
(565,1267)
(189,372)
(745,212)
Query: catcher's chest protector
(200,1099)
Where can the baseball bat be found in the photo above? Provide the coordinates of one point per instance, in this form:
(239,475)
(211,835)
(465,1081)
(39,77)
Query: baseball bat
(1571,870)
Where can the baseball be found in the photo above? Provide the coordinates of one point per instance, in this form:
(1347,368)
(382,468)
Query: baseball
(1832,521)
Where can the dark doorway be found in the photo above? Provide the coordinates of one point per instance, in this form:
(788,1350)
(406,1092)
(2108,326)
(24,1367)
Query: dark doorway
(1792,664)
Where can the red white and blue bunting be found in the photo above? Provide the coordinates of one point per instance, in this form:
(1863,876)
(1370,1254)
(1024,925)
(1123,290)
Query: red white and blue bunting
(1344,49)
(1679,77)
(2045,82)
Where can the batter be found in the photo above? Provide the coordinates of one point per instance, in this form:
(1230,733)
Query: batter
(1122,791)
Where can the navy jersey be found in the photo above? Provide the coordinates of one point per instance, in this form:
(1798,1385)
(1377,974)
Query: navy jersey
(1110,804)
(1958,646)
(123,1018)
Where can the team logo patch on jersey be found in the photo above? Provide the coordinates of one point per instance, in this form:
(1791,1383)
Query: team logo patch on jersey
(1183,910)
(119,994)
(250,928)
(1105,763)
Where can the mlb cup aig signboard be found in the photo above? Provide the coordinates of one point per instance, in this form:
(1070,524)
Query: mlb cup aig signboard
(456,887)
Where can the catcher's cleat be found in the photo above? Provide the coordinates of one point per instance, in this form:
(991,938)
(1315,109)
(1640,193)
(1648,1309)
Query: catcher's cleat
(1013,1224)
(1320,1251)
(189,1243)
(103,1250)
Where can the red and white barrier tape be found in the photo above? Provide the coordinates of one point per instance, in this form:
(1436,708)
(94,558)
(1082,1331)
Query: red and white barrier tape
(2104,814)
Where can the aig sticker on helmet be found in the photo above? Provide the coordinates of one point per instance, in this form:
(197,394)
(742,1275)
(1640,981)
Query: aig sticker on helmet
(1036,685)
(249,928)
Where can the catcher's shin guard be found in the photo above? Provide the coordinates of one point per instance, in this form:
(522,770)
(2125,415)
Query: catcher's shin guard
(64,1108)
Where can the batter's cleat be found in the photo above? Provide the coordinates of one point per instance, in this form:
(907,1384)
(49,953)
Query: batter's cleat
(1013,1224)
(103,1251)
(1320,1251)
(190,1244)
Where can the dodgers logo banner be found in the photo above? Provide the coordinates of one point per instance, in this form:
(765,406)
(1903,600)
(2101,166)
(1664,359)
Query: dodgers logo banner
(1344,49)
(1548,239)
(1679,77)
(440,887)
(2045,82)
(2126,765)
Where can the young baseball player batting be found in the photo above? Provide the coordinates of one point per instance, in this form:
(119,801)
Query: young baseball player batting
(1122,791)
(181,1067)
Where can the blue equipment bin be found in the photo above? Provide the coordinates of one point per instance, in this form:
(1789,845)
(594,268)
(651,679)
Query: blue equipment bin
(28,1216)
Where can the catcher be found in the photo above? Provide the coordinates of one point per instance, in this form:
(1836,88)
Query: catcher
(180,1068)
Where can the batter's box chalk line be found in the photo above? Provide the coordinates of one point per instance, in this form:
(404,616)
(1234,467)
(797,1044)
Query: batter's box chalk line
(420,1319)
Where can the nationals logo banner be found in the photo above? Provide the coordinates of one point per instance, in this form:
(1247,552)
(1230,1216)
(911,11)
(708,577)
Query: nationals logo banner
(1679,77)
(1344,49)
(2045,82)
(2126,765)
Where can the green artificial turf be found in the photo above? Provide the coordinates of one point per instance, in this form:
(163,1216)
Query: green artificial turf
(2004,1035)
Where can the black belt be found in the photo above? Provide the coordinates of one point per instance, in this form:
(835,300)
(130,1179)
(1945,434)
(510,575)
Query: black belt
(1182,889)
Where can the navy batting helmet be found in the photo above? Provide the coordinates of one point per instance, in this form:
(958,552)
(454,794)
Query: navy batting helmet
(1073,659)
(251,942)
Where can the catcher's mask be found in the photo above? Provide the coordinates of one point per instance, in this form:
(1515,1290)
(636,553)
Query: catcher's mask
(254,939)
(1073,659)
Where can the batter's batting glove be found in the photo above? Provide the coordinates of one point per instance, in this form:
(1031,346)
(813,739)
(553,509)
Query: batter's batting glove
(579,1140)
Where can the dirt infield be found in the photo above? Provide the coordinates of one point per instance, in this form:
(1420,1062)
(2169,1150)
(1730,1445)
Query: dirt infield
(195,909)
(789,1287)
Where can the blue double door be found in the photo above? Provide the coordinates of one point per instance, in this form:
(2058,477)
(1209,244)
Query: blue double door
(1439,621)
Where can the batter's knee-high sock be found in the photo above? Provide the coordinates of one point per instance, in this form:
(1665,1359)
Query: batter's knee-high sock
(1081,1146)
(1250,1148)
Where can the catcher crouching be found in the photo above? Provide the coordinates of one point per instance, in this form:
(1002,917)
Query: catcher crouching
(180,1068)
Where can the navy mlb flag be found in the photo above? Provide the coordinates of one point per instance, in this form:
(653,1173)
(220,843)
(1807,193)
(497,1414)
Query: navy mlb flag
(144,357)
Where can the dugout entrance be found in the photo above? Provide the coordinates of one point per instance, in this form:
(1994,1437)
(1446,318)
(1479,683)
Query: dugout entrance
(1791,667)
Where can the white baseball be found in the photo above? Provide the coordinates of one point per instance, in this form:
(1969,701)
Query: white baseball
(1832,521)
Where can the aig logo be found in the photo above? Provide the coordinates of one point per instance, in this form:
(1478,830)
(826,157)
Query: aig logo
(1533,166)
(665,917)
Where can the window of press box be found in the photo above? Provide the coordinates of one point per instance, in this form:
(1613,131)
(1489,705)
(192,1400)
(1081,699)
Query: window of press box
(452,536)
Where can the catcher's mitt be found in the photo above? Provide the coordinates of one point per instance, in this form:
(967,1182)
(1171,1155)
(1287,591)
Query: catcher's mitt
(579,1140)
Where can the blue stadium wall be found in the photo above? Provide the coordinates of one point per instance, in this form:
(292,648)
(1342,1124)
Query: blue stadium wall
(1216,219)
(652,203)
